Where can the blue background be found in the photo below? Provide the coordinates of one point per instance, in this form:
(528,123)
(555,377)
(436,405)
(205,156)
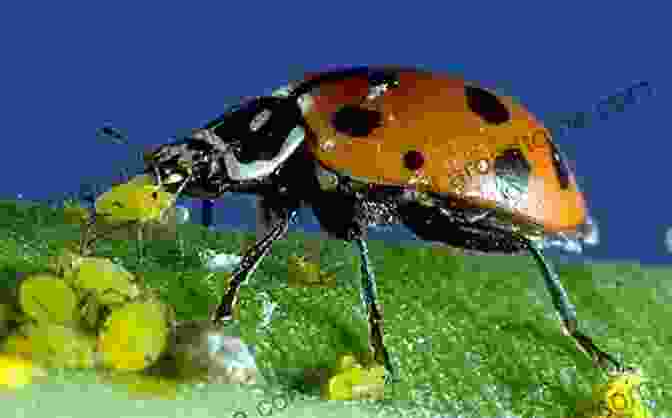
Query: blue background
(156,68)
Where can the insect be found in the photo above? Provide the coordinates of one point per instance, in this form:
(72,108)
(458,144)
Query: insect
(368,146)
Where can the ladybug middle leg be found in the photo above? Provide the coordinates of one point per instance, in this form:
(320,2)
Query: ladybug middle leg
(567,311)
(347,217)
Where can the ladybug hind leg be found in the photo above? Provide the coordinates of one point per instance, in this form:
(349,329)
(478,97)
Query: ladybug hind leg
(567,311)
(374,314)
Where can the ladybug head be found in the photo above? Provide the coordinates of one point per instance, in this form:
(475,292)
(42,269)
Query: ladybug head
(248,142)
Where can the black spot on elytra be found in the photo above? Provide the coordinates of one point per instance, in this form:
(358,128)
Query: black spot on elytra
(486,105)
(356,121)
(414,160)
(512,174)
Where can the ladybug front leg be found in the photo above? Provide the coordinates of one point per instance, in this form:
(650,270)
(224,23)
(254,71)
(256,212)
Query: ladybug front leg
(567,311)
(248,264)
(375,317)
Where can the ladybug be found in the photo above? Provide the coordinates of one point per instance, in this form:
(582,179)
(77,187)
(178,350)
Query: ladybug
(454,162)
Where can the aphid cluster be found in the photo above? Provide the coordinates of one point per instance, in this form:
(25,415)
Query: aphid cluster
(90,312)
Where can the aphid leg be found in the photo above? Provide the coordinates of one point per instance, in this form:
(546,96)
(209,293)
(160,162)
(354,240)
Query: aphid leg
(375,317)
(567,311)
(139,243)
(87,238)
(248,264)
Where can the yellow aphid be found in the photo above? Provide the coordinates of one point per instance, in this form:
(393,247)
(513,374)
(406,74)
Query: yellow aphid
(371,385)
(346,362)
(18,344)
(352,381)
(618,398)
(51,344)
(339,387)
(136,201)
(47,298)
(16,371)
(110,283)
(134,336)
(621,396)
(56,345)
(304,273)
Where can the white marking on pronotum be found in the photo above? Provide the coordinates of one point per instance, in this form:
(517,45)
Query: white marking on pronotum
(283,91)
(260,120)
(239,171)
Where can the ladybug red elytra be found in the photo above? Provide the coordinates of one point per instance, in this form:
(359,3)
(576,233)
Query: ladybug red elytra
(363,146)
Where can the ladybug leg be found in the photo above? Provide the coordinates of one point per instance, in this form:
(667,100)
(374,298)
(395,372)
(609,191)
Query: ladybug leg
(248,264)
(567,311)
(375,317)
